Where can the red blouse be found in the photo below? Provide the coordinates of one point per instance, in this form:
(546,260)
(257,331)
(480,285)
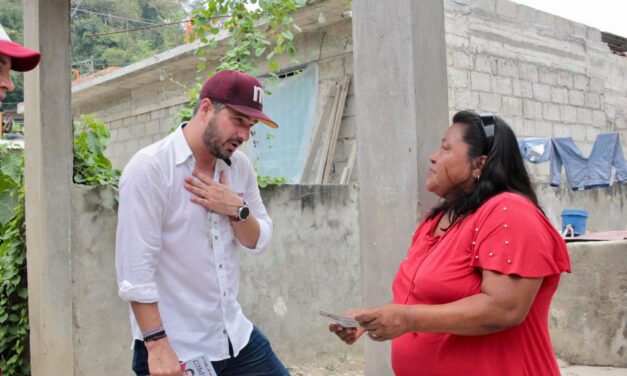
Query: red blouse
(509,235)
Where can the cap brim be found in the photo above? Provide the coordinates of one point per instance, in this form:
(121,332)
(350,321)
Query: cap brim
(255,114)
(22,58)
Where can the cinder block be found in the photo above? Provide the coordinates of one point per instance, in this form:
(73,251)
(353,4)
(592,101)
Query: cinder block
(565,79)
(142,118)
(528,71)
(576,97)
(145,141)
(489,5)
(462,60)
(522,89)
(532,109)
(597,85)
(559,95)
(490,102)
(466,99)
(593,100)
(581,82)
(507,68)
(512,106)
(126,133)
(561,130)
(458,78)
(502,85)
(480,81)
(547,76)
(132,146)
(578,132)
(569,114)
(484,63)
(599,120)
(152,127)
(551,111)
(541,92)
(584,115)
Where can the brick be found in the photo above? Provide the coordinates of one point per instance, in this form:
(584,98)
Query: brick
(532,109)
(512,106)
(581,82)
(502,85)
(561,130)
(489,5)
(569,114)
(547,76)
(145,141)
(125,133)
(522,89)
(541,92)
(559,95)
(528,71)
(480,81)
(507,68)
(458,78)
(591,134)
(143,118)
(584,116)
(565,79)
(114,135)
(593,100)
(551,111)
(578,132)
(576,97)
(132,146)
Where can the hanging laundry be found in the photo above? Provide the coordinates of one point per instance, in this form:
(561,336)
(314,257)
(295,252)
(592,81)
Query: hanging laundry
(592,172)
(535,149)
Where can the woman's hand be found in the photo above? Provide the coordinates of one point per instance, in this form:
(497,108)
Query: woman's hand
(348,335)
(385,322)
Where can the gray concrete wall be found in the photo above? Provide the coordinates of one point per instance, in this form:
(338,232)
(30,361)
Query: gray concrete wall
(312,264)
(588,319)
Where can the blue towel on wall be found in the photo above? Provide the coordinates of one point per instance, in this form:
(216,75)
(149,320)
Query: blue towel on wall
(592,172)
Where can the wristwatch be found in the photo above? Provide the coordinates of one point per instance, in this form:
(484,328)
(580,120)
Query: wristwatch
(242,214)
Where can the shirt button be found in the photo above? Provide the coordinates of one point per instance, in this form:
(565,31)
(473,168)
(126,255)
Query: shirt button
(215,237)
(220,266)
(224,331)
(223,294)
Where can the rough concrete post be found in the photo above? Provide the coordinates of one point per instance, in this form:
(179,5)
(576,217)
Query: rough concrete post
(402,110)
(48,156)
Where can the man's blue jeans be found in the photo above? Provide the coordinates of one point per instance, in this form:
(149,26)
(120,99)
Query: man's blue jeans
(255,359)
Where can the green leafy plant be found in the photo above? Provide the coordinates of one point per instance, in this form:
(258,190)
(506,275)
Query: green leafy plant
(91,167)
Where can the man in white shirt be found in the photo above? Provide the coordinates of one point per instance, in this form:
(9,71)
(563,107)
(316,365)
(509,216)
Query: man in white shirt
(13,56)
(187,204)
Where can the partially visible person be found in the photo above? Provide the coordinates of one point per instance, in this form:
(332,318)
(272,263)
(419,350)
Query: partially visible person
(13,56)
(472,296)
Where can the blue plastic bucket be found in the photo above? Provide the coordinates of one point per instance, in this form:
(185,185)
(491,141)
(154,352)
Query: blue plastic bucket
(575,218)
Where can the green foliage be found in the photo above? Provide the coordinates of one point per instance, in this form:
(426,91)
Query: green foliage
(90,167)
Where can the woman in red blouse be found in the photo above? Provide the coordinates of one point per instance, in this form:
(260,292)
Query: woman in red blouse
(472,296)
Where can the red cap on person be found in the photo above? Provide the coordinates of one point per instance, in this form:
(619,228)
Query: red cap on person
(238,91)
(22,58)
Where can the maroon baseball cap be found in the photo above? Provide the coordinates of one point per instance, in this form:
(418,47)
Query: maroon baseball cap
(22,59)
(239,91)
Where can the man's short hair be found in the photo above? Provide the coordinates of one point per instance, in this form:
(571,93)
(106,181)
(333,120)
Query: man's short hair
(217,106)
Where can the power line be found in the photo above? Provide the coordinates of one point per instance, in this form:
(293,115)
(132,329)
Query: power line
(145,27)
(113,16)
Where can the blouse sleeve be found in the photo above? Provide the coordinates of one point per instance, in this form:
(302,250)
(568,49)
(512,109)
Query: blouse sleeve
(514,237)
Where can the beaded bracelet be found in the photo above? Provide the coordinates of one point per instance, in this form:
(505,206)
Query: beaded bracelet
(155,336)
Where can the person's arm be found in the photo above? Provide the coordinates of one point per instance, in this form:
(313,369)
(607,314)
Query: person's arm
(138,242)
(503,303)
(162,360)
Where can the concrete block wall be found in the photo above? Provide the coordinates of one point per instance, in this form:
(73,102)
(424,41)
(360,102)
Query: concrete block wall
(547,76)
(314,265)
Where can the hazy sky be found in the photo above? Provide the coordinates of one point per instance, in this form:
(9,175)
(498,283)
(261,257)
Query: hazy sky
(605,15)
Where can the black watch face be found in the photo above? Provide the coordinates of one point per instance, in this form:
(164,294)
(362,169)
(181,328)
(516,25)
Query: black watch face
(244,212)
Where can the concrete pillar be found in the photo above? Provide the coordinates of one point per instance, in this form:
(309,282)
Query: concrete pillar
(48,156)
(402,111)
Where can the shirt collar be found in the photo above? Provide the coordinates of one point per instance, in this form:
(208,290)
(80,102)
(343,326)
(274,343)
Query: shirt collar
(182,151)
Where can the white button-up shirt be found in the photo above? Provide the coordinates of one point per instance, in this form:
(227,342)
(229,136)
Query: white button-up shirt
(172,251)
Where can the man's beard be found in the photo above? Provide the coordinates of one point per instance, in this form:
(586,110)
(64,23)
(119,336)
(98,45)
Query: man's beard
(211,139)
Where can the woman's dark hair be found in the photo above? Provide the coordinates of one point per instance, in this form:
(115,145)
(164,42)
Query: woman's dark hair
(503,171)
